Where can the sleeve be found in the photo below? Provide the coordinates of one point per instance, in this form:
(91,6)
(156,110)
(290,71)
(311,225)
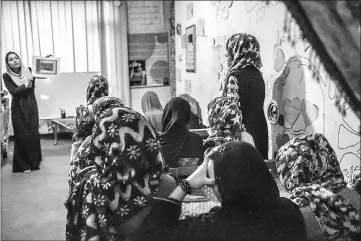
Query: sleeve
(163,223)
(33,77)
(13,90)
(236,88)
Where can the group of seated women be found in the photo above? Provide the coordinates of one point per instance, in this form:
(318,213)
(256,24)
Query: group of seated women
(119,188)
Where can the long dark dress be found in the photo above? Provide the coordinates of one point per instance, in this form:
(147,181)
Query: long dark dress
(251,95)
(25,120)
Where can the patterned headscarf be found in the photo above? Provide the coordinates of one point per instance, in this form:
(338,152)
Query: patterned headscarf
(84,122)
(98,87)
(308,167)
(225,120)
(244,50)
(105,103)
(125,175)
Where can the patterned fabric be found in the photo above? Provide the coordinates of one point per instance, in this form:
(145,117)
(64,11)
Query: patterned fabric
(356,183)
(103,104)
(225,119)
(308,167)
(98,87)
(125,151)
(84,122)
(244,50)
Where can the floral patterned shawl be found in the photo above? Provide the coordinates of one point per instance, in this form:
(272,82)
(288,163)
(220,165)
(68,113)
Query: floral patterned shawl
(98,87)
(308,167)
(121,177)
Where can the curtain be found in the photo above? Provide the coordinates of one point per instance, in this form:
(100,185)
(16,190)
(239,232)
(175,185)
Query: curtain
(88,36)
(65,29)
(113,39)
(333,29)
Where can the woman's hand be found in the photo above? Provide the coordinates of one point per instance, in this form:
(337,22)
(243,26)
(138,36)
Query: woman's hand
(199,177)
(28,84)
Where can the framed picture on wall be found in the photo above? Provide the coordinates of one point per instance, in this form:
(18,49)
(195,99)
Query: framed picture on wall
(191,49)
(45,67)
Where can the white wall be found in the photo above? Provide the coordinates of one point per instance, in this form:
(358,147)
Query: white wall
(308,105)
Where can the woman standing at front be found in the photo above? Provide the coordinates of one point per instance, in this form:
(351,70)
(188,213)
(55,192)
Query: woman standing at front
(24,115)
(244,82)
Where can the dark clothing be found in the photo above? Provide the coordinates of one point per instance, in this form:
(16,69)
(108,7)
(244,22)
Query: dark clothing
(25,120)
(251,206)
(251,92)
(282,222)
(177,141)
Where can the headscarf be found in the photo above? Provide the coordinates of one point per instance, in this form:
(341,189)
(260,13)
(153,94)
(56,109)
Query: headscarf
(309,169)
(225,120)
(196,112)
(125,175)
(24,74)
(252,208)
(242,176)
(152,109)
(85,120)
(103,104)
(174,128)
(97,87)
(245,50)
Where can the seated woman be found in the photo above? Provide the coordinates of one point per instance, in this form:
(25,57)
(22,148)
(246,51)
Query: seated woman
(152,109)
(195,120)
(109,198)
(225,120)
(177,141)
(97,87)
(252,208)
(80,156)
(309,169)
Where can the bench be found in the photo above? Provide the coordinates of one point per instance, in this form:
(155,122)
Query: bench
(67,123)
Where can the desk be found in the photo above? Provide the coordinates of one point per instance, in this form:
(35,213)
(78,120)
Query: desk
(68,123)
(196,208)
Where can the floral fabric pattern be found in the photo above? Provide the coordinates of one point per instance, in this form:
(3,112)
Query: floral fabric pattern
(98,87)
(121,176)
(103,104)
(225,119)
(84,122)
(309,169)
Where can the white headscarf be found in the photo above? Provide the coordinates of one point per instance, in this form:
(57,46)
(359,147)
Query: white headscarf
(23,76)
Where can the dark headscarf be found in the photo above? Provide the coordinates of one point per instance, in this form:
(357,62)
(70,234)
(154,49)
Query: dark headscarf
(242,176)
(97,87)
(174,128)
(252,208)
(195,121)
(245,50)
(152,109)
(125,175)
(309,169)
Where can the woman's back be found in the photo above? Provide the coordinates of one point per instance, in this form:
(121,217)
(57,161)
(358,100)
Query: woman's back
(251,96)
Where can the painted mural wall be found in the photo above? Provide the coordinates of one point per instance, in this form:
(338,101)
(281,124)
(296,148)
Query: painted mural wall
(304,92)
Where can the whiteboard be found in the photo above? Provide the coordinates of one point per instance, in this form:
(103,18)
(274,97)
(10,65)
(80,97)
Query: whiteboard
(66,91)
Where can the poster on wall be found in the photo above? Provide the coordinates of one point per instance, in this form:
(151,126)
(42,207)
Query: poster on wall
(148,59)
(137,73)
(145,16)
(191,49)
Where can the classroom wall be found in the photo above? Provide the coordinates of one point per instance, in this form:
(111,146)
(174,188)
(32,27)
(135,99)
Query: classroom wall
(301,87)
